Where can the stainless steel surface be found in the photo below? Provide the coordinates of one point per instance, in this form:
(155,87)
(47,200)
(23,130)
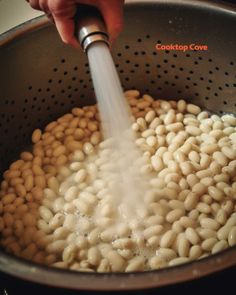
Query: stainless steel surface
(90,27)
(41,79)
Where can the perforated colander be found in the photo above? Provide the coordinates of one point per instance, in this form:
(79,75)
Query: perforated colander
(41,79)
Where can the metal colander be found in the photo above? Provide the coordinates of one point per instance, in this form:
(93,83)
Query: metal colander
(41,79)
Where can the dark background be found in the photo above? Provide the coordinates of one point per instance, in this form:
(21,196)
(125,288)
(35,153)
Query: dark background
(225,280)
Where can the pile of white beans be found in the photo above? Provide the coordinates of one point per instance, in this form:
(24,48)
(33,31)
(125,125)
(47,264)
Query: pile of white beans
(56,208)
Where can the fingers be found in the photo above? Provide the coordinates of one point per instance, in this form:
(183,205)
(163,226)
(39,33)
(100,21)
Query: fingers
(62,13)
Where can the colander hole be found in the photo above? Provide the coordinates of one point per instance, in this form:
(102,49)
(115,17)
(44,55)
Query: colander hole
(127,47)
(226,74)
(210,60)
(165,61)
(63,61)
(30,88)
(148,36)
(65,73)
(50,81)
(73,78)
(225,102)
(127,61)
(39,90)
(154,53)
(232,63)
(55,70)
(59,81)
(216,94)
(139,40)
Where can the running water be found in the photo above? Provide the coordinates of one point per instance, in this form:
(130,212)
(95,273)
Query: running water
(128,186)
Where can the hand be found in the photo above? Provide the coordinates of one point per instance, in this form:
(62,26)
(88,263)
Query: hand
(62,13)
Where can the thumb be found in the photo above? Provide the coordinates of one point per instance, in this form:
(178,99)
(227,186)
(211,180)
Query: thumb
(112,13)
(65,27)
